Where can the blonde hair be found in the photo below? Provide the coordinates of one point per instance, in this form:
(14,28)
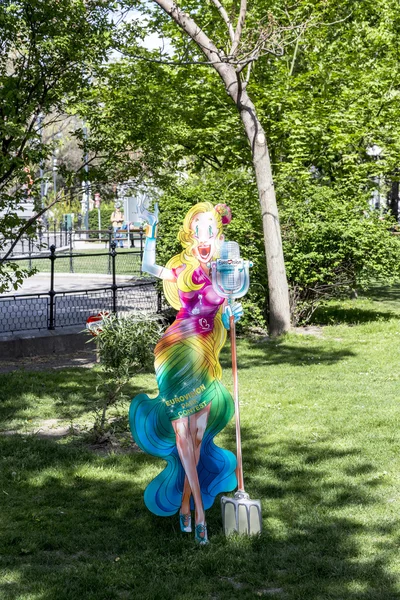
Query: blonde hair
(186,258)
(185,283)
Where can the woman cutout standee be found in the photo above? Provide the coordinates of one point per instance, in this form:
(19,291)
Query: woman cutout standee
(192,406)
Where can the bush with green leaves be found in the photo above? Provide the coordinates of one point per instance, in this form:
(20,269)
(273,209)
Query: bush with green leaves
(334,244)
(106,211)
(125,347)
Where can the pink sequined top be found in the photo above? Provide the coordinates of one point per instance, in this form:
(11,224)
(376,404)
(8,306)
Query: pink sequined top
(200,306)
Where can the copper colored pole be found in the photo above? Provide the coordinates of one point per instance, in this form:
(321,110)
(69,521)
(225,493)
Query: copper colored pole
(239,467)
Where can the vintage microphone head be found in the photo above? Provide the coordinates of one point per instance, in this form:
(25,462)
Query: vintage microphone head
(230,250)
(230,273)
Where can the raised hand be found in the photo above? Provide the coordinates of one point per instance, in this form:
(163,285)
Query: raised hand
(146,215)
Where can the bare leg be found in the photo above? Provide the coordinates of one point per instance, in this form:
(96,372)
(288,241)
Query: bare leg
(197,424)
(189,435)
(187,492)
(184,443)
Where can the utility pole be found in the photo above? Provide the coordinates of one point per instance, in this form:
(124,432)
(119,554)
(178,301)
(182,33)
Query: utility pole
(41,164)
(87,187)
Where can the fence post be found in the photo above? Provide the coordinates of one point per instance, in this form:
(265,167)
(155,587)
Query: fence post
(40,238)
(141,247)
(114,286)
(51,291)
(30,252)
(71,258)
(110,231)
(80,225)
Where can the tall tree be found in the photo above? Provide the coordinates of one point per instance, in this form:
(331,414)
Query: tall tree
(47,49)
(321,110)
(230,66)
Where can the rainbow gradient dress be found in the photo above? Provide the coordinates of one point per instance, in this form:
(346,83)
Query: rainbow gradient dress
(188,375)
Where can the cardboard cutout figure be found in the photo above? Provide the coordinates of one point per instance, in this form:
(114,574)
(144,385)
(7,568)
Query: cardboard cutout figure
(193,406)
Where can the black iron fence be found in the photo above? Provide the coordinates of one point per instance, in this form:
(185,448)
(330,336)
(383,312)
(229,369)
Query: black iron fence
(68,300)
(68,239)
(99,262)
(40,242)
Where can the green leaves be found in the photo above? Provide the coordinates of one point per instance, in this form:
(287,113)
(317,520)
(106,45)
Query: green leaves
(125,347)
(46,50)
(333,245)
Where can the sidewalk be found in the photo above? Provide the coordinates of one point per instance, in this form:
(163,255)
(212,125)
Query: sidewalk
(63,282)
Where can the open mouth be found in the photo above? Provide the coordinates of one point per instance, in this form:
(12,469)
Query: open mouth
(204,251)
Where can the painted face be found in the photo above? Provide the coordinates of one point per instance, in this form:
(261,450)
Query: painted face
(205,232)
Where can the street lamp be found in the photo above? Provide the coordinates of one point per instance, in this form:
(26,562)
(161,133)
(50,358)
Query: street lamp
(56,152)
(87,188)
(375,151)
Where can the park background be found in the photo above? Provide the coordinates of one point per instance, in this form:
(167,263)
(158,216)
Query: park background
(88,105)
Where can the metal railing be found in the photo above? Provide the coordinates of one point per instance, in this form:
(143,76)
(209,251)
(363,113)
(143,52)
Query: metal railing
(65,239)
(57,307)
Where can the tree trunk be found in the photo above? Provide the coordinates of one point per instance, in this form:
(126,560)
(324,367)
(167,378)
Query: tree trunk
(279,315)
(278,291)
(394,199)
(279,308)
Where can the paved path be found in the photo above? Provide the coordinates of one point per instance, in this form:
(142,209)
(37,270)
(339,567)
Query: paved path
(40,283)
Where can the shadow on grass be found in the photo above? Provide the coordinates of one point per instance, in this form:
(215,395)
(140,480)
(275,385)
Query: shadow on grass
(74,525)
(337,313)
(387,307)
(383,293)
(281,352)
(61,394)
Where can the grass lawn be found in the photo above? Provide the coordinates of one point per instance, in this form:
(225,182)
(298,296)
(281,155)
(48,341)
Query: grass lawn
(127,262)
(320,423)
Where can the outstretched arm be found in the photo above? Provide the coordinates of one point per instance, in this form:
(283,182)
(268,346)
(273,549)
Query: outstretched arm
(149,255)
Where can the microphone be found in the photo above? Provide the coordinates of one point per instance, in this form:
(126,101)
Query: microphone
(230,273)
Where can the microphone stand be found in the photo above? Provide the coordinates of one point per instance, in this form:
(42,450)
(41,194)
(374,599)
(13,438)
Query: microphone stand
(230,279)
(239,462)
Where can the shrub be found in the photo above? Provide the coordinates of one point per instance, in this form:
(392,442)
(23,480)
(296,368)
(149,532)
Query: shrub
(333,242)
(105,215)
(332,246)
(125,346)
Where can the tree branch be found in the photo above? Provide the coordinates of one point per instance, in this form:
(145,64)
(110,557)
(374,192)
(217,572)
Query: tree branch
(225,17)
(294,57)
(239,27)
(188,24)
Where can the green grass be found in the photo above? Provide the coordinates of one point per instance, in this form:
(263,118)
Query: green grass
(320,429)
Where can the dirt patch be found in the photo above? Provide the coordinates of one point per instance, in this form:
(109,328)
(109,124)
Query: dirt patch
(49,429)
(112,444)
(309,330)
(314,330)
(56,429)
(84,358)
